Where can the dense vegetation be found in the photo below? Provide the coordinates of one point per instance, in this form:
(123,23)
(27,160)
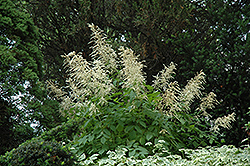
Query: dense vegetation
(102,98)
(198,35)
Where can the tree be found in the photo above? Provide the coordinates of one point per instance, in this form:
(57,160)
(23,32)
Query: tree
(21,67)
(62,29)
(224,55)
(147,25)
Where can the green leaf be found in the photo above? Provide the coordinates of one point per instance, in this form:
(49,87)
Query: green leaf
(195,144)
(103,140)
(149,136)
(83,140)
(112,127)
(150,88)
(132,135)
(182,121)
(91,137)
(128,128)
(142,140)
(131,153)
(119,128)
(142,123)
(107,132)
(142,150)
(138,129)
(137,103)
(211,140)
(132,95)
(86,123)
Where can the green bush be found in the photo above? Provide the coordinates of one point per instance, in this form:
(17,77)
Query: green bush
(38,152)
(121,124)
(63,132)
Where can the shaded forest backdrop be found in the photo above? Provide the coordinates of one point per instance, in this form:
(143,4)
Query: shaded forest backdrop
(207,35)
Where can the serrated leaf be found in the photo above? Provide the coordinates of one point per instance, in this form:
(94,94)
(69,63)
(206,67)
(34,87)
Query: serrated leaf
(112,127)
(137,103)
(132,95)
(142,123)
(83,140)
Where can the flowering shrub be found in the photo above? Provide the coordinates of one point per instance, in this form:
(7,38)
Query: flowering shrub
(119,108)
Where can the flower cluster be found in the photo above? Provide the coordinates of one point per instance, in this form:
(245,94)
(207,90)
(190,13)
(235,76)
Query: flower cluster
(90,84)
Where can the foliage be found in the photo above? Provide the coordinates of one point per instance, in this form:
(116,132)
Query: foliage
(22,91)
(223,52)
(62,29)
(64,132)
(225,155)
(247,130)
(121,125)
(146,24)
(120,109)
(192,32)
(20,69)
(39,152)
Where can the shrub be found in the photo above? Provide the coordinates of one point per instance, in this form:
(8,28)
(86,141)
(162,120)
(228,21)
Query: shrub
(38,152)
(119,108)
(119,124)
(63,132)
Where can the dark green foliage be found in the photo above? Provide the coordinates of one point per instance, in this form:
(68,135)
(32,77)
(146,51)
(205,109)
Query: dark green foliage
(38,152)
(20,68)
(147,27)
(21,74)
(146,24)
(63,132)
(132,122)
(6,128)
(63,28)
(223,52)
(47,114)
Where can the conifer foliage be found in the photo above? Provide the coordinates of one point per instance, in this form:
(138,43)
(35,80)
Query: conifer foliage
(20,69)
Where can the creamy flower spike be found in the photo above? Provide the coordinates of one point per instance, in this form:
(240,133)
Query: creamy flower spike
(91,84)
(132,72)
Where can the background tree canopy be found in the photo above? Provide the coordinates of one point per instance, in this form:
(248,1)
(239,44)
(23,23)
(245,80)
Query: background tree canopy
(21,70)
(204,34)
(21,66)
